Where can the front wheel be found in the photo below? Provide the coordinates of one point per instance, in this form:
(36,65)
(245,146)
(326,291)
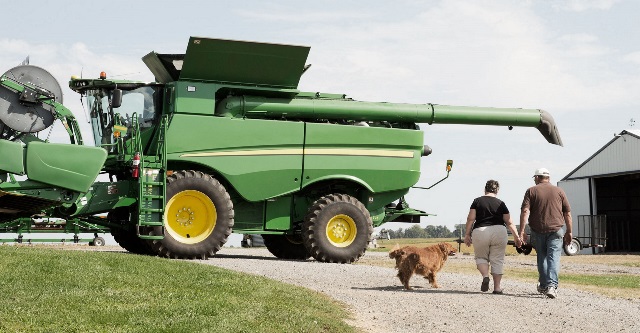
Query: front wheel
(198,217)
(337,229)
(573,248)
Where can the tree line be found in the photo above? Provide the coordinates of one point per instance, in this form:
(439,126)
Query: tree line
(430,231)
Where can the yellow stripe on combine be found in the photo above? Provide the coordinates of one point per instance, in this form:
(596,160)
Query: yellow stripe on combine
(360,152)
(311,151)
(247,153)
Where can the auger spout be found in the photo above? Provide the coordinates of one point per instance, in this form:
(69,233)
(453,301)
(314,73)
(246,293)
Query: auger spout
(305,108)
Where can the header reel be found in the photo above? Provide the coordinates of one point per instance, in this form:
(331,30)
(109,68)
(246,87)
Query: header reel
(22,92)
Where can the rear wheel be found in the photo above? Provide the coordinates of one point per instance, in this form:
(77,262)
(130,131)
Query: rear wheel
(337,228)
(286,247)
(126,236)
(573,248)
(198,217)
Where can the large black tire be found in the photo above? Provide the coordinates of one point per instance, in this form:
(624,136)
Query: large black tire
(198,217)
(573,248)
(286,247)
(127,237)
(337,229)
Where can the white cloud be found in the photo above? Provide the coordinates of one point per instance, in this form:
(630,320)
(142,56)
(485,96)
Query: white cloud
(633,57)
(278,13)
(584,5)
(465,52)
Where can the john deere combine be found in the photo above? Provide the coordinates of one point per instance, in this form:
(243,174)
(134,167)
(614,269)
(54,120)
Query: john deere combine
(223,141)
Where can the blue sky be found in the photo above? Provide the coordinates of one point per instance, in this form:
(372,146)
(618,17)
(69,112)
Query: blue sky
(578,60)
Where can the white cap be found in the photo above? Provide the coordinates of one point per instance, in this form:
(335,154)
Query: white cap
(542,172)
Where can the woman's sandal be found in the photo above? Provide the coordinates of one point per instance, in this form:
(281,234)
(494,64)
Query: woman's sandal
(498,292)
(485,284)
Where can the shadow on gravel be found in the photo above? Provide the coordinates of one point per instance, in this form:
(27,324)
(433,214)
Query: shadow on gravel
(240,256)
(422,290)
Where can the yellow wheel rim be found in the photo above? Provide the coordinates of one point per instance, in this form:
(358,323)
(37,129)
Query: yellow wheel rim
(190,217)
(341,230)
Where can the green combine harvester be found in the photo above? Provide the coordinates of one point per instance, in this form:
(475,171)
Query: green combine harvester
(222,141)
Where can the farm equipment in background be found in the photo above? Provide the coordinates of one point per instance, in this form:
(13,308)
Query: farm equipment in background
(51,226)
(223,141)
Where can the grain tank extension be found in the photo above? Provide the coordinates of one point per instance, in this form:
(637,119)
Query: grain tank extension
(222,141)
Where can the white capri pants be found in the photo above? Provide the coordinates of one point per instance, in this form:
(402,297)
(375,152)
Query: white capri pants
(489,244)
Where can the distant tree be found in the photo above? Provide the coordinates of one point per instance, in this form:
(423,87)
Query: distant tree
(430,231)
(440,231)
(398,234)
(459,230)
(444,232)
(415,232)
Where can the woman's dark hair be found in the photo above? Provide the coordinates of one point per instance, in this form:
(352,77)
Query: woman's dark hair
(492,186)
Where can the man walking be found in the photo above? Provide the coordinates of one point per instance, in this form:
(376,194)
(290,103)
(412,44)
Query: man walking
(547,210)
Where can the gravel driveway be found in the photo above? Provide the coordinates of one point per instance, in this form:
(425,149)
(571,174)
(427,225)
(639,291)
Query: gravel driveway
(379,304)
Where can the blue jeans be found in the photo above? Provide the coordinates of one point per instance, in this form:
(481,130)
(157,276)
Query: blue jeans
(548,249)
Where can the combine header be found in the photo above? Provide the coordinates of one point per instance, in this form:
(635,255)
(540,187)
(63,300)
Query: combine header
(222,141)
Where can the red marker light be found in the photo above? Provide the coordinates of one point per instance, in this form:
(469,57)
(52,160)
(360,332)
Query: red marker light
(103,75)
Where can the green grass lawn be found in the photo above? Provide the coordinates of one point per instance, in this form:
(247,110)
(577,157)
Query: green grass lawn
(49,290)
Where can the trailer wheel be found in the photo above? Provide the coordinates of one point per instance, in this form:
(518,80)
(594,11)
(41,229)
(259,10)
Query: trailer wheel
(198,217)
(286,247)
(573,248)
(98,241)
(337,228)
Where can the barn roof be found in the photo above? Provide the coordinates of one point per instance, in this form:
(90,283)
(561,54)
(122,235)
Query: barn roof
(619,156)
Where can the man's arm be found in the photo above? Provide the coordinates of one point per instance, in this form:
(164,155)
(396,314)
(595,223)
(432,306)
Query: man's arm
(568,235)
(524,218)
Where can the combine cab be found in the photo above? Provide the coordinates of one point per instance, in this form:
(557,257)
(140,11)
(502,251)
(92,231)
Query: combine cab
(223,141)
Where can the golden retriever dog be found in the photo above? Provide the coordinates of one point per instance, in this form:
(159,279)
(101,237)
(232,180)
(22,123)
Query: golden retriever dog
(425,261)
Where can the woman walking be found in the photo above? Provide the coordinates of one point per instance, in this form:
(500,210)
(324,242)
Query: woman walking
(487,225)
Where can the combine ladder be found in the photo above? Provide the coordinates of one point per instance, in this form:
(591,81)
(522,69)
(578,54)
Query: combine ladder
(153,182)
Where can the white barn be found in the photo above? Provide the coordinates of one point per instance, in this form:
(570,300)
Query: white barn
(606,187)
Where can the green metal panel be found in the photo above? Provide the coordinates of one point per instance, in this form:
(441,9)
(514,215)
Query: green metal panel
(248,215)
(260,158)
(277,214)
(243,62)
(103,197)
(195,98)
(384,159)
(12,159)
(68,166)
